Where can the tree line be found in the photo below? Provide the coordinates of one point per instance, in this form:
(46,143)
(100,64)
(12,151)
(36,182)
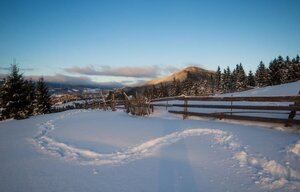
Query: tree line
(20,98)
(279,71)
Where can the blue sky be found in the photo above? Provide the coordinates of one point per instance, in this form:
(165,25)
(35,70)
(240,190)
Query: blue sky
(129,41)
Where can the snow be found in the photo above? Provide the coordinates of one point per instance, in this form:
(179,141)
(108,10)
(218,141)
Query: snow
(276,90)
(296,149)
(94,150)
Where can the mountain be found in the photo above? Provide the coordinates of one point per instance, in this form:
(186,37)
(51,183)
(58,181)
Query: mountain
(189,81)
(193,73)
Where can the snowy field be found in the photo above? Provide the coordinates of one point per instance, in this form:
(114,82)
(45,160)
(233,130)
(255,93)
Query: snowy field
(93,150)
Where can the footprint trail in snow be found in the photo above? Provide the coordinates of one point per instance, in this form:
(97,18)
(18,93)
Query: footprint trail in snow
(268,173)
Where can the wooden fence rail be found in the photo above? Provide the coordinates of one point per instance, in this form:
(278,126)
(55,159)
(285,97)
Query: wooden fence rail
(252,107)
(290,109)
(258,99)
(237,117)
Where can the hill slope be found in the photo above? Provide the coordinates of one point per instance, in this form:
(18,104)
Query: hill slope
(194,73)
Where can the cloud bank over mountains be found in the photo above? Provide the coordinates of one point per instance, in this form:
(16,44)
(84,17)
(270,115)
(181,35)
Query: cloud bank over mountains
(153,71)
(85,75)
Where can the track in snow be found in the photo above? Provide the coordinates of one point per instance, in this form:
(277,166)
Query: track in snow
(268,173)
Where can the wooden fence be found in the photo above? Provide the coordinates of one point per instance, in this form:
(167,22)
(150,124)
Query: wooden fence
(291,109)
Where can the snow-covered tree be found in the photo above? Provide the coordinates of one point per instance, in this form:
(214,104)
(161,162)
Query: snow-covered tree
(29,89)
(250,79)
(177,85)
(293,70)
(275,72)
(261,75)
(212,84)
(42,103)
(13,95)
(241,79)
(233,79)
(218,80)
(226,83)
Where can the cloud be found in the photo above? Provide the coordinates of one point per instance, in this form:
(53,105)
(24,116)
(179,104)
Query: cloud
(71,80)
(137,72)
(21,69)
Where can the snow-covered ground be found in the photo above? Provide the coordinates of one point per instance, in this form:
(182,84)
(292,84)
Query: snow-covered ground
(93,150)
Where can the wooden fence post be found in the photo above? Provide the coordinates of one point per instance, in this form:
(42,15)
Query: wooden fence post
(113,102)
(104,103)
(126,103)
(231,106)
(185,108)
(292,115)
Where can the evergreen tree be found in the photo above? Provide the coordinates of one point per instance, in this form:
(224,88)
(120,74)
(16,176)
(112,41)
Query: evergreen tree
(276,71)
(250,79)
(226,81)
(42,103)
(284,69)
(13,102)
(29,91)
(295,68)
(218,79)
(261,75)
(147,93)
(233,79)
(154,92)
(241,79)
(292,70)
(211,85)
(177,85)
(163,92)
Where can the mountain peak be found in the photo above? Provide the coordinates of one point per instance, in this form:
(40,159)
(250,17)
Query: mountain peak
(189,72)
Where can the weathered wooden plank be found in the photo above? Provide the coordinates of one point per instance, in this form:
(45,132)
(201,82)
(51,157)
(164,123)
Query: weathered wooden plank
(254,107)
(168,98)
(237,117)
(295,98)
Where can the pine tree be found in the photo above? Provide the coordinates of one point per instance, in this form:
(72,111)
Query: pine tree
(177,85)
(154,92)
(42,103)
(284,70)
(250,79)
(163,92)
(292,69)
(147,93)
(241,79)
(211,85)
(226,81)
(233,79)
(29,88)
(218,79)
(13,102)
(275,71)
(296,68)
(261,75)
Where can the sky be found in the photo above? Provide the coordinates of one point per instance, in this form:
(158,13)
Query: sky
(130,41)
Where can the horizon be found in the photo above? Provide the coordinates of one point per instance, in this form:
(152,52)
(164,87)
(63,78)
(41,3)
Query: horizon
(130,42)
